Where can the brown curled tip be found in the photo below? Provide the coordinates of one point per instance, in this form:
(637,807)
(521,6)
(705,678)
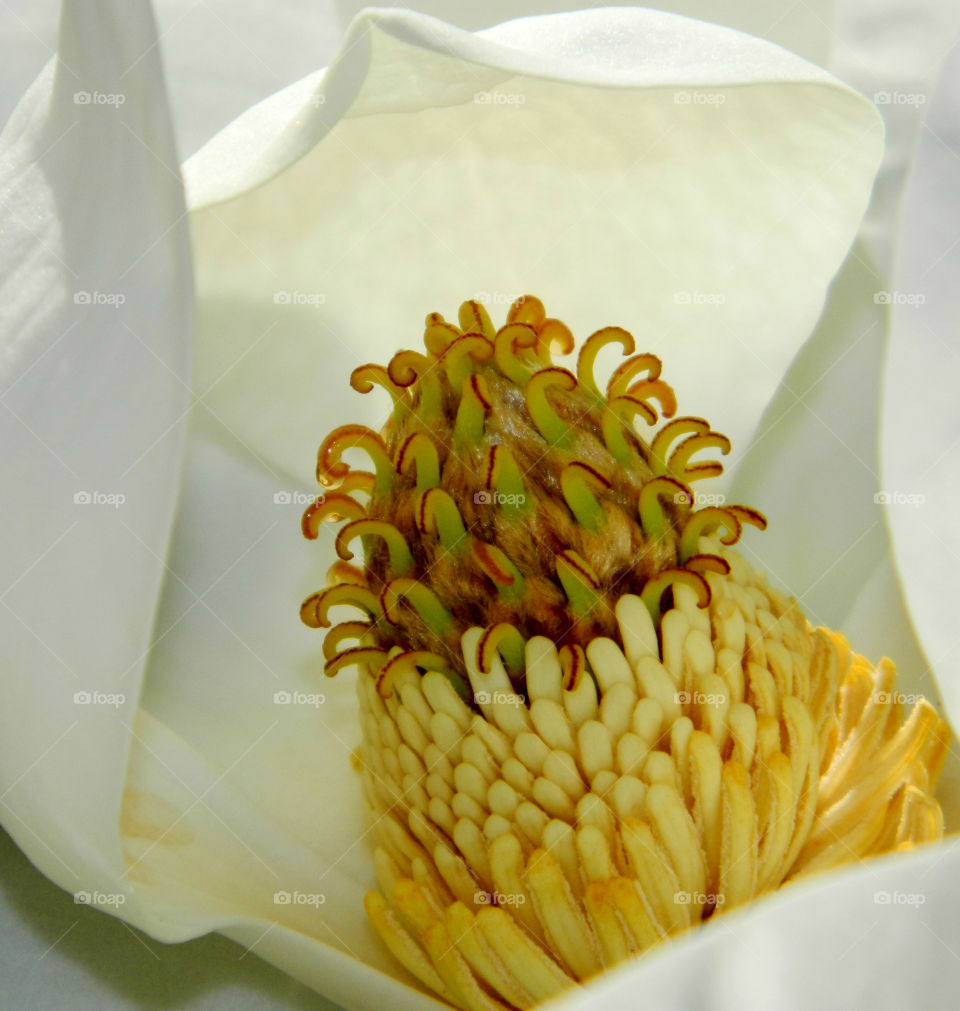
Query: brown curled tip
(627,371)
(369,656)
(491,561)
(334,507)
(406,367)
(583,569)
(747,515)
(480,392)
(573,663)
(343,572)
(527,309)
(333,640)
(708,563)
(331,470)
(591,472)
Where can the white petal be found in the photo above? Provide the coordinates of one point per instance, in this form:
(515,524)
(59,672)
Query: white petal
(28,38)
(250,796)
(94,318)
(608,161)
(920,435)
(802,28)
(221,57)
(811,467)
(878,625)
(883,935)
(891,51)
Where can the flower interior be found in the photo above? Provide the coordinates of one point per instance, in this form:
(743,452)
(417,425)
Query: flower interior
(588,723)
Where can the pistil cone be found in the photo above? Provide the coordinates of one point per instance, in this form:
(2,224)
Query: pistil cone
(588,723)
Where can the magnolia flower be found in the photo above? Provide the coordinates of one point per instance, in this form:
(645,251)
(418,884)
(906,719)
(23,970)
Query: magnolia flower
(169,749)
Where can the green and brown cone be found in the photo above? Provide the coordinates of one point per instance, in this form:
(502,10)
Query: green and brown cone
(588,724)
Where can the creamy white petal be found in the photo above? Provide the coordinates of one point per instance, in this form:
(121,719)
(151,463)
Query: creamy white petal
(28,38)
(221,57)
(802,28)
(882,935)
(811,467)
(94,323)
(240,791)
(625,180)
(892,52)
(920,431)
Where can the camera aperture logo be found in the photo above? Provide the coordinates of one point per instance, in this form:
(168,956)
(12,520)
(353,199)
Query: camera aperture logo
(96,698)
(314,899)
(314,699)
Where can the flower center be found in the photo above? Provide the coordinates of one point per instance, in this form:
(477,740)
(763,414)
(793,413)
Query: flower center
(512,494)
